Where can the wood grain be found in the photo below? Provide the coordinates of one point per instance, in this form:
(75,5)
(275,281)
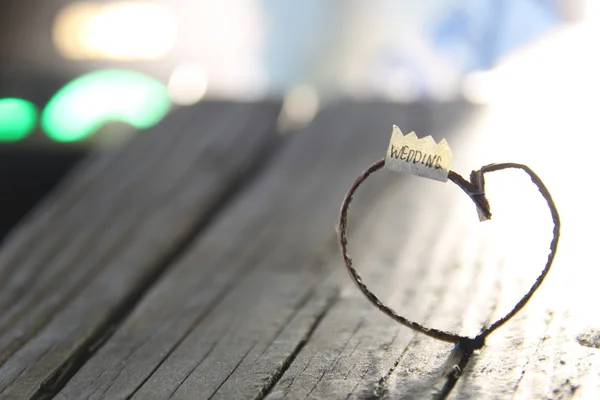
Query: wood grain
(249,297)
(258,305)
(109,233)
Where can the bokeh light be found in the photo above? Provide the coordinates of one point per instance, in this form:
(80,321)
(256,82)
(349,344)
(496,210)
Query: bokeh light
(300,105)
(115,31)
(82,106)
(17,119)
(187,84)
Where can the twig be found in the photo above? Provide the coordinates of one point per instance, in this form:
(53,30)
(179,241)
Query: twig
(475,189)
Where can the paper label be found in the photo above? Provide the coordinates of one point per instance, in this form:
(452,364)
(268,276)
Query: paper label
(422,157)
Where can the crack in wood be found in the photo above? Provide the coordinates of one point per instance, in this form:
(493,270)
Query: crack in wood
(536,351)
(59,378)
(19,375)
(209,309)
(379,389)
(228,375)
(337,360)
(454,373)
(299,306)
(290,359)
(109,166)
(122,367)
(92,395)
(464,353)
(212,305)
(42,322)
(214,345)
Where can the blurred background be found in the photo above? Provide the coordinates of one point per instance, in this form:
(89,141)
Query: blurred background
(77,76)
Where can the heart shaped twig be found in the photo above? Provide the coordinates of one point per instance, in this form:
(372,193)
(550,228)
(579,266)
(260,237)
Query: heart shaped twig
(475,189)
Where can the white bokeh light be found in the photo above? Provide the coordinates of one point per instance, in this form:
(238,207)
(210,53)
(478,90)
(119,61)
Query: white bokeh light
(121,30)
(187,84)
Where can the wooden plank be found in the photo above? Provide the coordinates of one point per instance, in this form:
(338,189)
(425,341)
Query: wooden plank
(97,181)
(415,244)
(550,350)
(112,231)
(485,287)
(544,353)
(261,307)
(239,307)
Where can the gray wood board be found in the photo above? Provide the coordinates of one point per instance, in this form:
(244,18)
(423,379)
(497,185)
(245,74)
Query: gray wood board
(260,306)
(542,353)
(252,297)
(80,261)
(413,250)
(552,348)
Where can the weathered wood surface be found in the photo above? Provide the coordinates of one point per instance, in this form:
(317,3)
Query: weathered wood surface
(246,295)
(258,305)
(71,272)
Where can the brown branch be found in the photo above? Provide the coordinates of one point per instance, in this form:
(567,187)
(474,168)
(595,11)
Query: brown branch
(475,189)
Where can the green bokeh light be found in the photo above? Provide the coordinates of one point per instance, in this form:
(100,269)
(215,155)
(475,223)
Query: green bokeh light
(17,119)
(83,105)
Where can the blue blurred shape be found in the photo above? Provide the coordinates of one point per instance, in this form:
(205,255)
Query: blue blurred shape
(476,33)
